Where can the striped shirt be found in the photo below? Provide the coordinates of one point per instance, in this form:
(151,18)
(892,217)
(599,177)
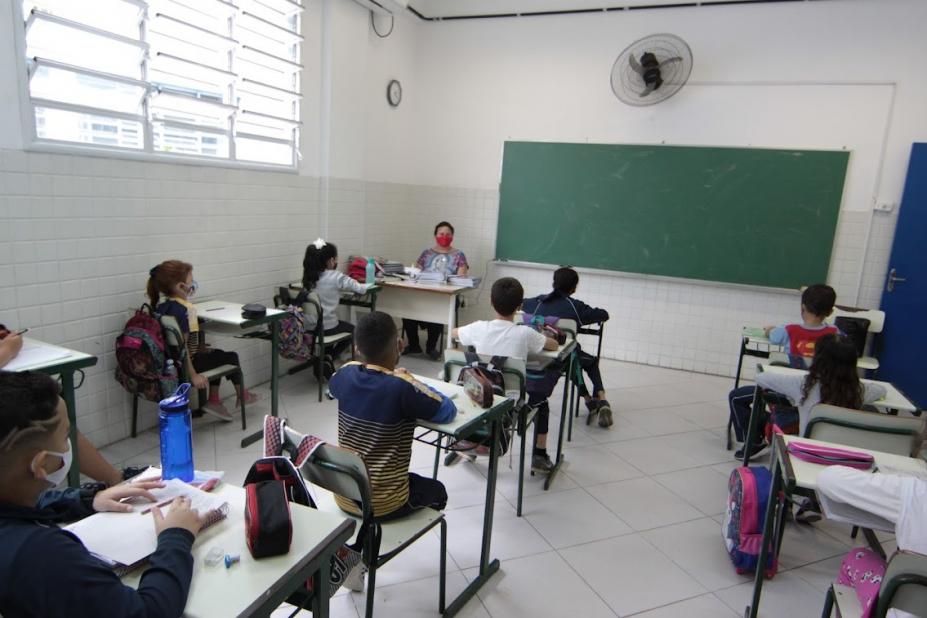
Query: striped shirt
(377,413)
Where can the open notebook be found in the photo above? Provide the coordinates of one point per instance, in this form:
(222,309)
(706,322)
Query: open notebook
(125,540)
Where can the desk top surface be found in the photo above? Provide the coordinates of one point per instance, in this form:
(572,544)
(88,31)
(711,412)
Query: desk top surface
(227,312)
(894,399)
(806,474)
(440,288)
(468,413)
(37,355)
(217,591)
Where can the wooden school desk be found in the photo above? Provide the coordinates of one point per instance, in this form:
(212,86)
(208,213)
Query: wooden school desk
(256,587)
(894,400)
(56,360)
(470,418)
(426,302)
(790,473)
(224,318)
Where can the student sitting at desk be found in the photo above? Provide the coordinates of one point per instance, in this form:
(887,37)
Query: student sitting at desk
(503,337)
(174,281)
(900,500)
(558,303)
(321,274)
(832,379)
(90,462)
(445,259)
(817,302)
(45,570)
(378,406)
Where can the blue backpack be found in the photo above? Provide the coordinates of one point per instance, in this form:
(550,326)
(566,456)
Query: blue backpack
(742,528)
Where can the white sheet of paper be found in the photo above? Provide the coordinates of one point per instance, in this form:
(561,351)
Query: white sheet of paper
(34,354)
(126,538)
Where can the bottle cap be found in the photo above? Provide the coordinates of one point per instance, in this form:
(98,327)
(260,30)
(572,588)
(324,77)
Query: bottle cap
(179,401)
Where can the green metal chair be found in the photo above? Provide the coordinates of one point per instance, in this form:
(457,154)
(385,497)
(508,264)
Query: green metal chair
(339,471)
(514,374)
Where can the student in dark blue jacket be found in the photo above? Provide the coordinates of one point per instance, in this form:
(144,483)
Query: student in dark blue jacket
(45,570)
(558,303)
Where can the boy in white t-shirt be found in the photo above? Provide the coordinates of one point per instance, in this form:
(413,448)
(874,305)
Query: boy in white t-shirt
(503,337)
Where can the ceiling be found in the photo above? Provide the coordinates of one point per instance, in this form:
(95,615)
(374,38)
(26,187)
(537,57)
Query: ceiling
(461,9)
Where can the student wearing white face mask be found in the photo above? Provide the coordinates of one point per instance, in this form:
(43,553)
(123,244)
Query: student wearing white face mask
(173,282)
(46,571)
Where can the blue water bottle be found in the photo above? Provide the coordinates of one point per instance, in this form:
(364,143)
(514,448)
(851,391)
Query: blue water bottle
(371,272)
(176,435)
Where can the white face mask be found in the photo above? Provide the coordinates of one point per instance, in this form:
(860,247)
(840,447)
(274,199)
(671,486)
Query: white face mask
(55,478)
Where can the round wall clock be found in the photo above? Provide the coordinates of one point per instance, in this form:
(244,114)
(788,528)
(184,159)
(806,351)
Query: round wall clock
(394,92)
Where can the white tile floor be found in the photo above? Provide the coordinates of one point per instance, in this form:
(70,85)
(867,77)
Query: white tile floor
(629,528)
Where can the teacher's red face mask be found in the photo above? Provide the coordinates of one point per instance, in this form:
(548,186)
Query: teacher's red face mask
(444,240)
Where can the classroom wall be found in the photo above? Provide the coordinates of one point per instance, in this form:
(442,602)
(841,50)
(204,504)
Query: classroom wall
(78,234)
(803,75)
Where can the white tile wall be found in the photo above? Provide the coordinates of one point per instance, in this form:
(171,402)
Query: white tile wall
(79,234)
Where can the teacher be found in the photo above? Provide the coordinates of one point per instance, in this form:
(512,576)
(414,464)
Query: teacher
(445,259)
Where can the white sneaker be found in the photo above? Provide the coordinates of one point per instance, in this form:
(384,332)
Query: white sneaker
(356,577)
(219,411)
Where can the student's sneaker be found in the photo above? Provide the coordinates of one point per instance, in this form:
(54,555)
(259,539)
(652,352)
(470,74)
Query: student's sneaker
(605,414)
(354,580)
(215,408)
(809,512)
(249,398)
(412,350)
(593,406)
(755,450)
(328,367)
(542,464)
(433,354)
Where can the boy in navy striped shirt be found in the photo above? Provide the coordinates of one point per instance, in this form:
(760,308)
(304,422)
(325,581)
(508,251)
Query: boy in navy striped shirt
(379,405)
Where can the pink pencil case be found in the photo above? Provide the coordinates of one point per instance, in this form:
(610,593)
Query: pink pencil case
(830,456)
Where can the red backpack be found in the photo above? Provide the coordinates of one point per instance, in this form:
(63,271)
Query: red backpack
(141,357)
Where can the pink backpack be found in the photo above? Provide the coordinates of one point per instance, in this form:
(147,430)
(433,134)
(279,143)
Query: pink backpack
(742,528)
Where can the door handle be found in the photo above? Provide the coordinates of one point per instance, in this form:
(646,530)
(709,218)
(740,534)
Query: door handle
(892,279)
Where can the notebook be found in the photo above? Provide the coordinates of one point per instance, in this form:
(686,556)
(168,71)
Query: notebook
(125,540)
(36,354)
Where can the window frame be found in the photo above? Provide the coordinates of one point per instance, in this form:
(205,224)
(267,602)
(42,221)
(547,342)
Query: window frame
(32,143)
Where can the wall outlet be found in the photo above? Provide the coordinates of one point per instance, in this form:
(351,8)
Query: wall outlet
(884,206)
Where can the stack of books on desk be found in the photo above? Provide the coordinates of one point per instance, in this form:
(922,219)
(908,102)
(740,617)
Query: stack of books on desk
(390,267)
(430,277)
(463,281)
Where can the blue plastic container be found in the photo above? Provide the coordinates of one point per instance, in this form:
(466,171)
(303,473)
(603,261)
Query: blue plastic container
(371,273)
(176,435)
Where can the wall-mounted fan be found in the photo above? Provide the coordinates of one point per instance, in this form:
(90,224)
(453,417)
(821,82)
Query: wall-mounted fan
(651,69)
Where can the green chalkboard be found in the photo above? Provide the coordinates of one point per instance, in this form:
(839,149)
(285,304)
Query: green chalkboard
(739,215)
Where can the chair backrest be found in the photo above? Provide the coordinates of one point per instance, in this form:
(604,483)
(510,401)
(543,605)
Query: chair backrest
(904,585)
(876,317)
(513,372)
(870,430)
(174,339)
(313,307)
(173,336)
(341,472)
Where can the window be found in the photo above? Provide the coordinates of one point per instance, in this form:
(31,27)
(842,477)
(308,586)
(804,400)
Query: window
(215,79)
